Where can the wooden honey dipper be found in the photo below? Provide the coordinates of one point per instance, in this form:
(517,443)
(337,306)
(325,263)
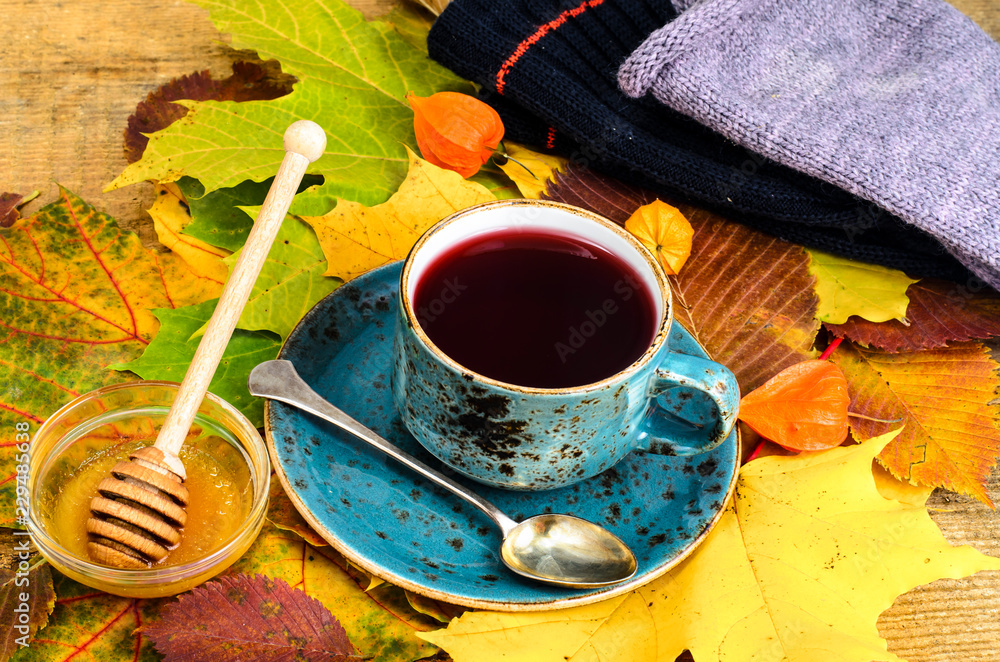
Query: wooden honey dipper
(139,510)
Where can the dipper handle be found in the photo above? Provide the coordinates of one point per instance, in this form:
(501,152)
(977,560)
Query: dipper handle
(304,142)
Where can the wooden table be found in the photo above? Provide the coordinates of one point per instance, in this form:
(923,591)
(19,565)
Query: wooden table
(70,75)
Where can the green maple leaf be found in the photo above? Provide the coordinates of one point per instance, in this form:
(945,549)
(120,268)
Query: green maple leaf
(169,355)
(216,218)
(291,281)
(353,77)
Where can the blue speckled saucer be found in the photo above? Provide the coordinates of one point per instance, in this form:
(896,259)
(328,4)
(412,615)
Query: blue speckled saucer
(412,534)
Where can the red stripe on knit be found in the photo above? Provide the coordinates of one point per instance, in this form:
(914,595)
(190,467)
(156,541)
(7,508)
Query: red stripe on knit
(523,47)
(550,139)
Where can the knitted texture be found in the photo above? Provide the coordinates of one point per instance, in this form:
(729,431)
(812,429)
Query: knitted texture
(550,68)
(896,101)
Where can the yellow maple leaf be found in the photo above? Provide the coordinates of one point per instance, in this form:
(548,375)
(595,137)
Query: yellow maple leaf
(798,568)
(356,239)
(530,170)
(665,231)
(170,214)
(182,286)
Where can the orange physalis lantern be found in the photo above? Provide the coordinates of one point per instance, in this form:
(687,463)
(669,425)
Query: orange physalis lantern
(455,131)
(802,408)
(663,229)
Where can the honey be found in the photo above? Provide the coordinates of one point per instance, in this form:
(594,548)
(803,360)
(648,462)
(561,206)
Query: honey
(218,480)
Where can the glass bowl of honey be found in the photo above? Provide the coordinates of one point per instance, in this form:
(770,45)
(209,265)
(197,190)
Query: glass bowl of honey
(228,477)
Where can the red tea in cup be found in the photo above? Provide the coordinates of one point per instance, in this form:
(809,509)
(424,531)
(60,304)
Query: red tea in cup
(536,308)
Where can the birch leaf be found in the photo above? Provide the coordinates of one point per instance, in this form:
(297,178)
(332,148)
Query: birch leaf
(356,238)
(846,288)
(812,554)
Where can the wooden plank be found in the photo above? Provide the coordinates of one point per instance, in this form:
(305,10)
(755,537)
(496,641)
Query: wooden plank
(70,75)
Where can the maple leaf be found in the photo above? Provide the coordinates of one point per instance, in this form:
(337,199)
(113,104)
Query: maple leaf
(353,76)
(250,81)
(356,238)
(291,281)
(218,218)
(378,629)
(76,293)
(812,553)
(26,593)
(939,312)
(530,171)
(171,214)
(950,437)
(240,617)
(846,288)
(170,353)
(88,624)
(747,297)
(410,23)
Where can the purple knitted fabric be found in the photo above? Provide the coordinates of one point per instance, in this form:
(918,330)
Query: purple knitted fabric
(896,101)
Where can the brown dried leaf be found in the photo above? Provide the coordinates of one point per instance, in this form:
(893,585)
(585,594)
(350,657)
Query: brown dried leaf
(587,189)
(250,81)
(10,204)
(241,618)
(942,396)
(26,600)
(8,208)
(939,312)
(747,297)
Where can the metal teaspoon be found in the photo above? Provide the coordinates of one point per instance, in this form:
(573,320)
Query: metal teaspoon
(554,549)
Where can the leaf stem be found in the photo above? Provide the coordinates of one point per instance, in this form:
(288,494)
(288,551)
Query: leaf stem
(511,158)
(829,350)
(756,451)
(877,420)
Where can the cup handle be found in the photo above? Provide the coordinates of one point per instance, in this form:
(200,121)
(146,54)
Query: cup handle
(683,432)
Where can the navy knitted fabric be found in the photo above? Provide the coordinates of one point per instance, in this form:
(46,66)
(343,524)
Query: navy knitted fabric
(550,68)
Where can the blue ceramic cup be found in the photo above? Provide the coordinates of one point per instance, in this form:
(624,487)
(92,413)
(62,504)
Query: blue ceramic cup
(529,438)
